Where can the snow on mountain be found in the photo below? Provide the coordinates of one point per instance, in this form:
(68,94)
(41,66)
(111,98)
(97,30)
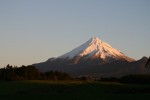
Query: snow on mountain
(96,48)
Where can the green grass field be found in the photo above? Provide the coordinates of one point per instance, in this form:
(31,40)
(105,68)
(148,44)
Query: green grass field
(72,90)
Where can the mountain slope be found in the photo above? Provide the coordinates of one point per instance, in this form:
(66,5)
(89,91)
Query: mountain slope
(112,69)
(96,48)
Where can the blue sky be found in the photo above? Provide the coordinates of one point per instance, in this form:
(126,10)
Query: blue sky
(32,31)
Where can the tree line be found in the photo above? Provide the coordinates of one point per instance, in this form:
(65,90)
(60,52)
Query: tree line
(14,73)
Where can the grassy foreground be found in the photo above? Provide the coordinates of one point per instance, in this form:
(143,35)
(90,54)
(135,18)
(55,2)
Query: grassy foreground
(72,90)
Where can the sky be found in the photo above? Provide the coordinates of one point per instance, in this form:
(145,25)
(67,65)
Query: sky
(32,31)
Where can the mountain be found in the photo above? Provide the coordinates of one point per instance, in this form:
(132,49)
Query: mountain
(94,58)
(96,49)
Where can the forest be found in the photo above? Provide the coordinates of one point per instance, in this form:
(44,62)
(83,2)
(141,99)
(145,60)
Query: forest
(14,73)
(10,73)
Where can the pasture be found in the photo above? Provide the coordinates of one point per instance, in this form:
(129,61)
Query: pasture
(72,90)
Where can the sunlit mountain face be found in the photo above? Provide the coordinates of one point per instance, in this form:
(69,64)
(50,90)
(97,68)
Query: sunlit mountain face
(96,49)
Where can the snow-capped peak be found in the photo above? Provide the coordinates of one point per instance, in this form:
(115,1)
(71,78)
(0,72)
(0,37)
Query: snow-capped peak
(96,48)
